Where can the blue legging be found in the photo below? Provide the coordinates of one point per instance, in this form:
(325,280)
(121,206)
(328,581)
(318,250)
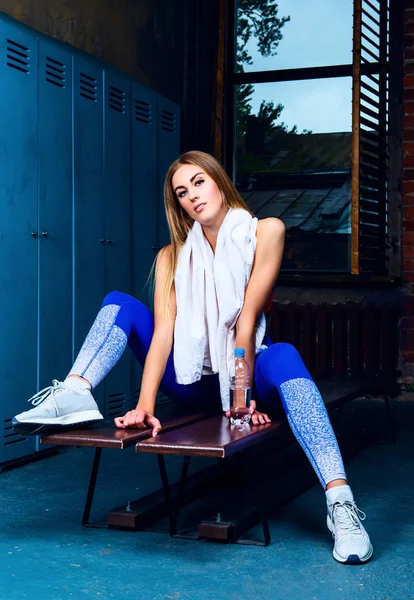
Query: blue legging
(279,375)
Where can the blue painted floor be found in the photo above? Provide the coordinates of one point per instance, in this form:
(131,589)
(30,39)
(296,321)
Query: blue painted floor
(46,554)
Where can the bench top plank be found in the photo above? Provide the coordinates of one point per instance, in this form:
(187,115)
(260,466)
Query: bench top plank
(338,390)
(109,436)
(213,437)
(209,437)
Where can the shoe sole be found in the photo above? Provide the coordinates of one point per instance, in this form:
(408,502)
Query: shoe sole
(352,559)
(57,424)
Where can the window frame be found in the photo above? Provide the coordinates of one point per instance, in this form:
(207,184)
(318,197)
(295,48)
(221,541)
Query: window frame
(394,71)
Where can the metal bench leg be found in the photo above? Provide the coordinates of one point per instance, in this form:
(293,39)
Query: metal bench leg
(173,504)
(91,488)
(232,526)
(181,486)
(266,533)
(259,496)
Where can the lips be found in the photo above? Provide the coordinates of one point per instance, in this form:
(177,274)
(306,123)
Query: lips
(199,207)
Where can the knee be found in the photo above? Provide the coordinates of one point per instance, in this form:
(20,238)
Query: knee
(285,362)
(117,298)
(284,351)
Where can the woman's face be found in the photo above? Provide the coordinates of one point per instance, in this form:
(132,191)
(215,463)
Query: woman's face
(199,195)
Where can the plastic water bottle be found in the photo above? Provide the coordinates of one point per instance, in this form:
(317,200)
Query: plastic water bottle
(240,390)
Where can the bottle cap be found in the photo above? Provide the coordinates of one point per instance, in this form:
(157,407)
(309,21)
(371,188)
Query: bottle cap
(239,352)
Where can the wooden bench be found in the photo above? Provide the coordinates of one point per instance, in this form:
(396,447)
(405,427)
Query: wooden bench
(350,349)
(109,436)
(215,438)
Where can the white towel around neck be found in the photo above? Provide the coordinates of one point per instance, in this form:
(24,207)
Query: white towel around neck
(210,291)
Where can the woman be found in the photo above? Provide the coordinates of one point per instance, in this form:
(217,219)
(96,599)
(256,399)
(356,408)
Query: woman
(211,285)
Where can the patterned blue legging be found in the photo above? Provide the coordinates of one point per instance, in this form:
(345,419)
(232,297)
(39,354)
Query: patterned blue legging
(279,374)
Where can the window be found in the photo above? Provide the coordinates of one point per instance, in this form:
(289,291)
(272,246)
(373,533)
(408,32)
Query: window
(309,128)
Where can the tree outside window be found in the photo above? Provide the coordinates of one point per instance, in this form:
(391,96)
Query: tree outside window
(293,126)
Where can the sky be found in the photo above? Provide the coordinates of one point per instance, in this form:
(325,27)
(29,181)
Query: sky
(319,33)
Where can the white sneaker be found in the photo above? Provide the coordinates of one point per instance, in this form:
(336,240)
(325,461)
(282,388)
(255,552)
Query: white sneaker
(352,543)
(57,407)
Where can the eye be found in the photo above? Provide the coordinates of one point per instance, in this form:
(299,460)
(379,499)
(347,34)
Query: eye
(181,194)
(199,181)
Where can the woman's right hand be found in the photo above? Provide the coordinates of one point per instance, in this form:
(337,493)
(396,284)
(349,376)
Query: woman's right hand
(139,419)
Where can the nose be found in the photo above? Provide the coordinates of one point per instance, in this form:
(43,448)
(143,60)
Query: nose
(193,194)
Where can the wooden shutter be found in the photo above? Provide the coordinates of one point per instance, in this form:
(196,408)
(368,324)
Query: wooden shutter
(370,133)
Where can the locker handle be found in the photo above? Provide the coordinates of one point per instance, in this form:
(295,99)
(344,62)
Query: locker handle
(45,233)
(102,241)
(34,234)
(109,241)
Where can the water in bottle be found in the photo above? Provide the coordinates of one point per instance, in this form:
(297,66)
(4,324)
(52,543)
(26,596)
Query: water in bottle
(240,390)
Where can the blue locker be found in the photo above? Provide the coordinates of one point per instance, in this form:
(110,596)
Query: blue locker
(83,158)
(88,198)
(168,151)
(18,232)
(145,190)
(145,187)
(55,212)
(117,185)
(117,178)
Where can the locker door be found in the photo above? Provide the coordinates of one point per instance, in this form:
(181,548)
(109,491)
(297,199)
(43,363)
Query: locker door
(168,151)
(88,217)
(145,189)
(18,233)
(55,212)
(117,177)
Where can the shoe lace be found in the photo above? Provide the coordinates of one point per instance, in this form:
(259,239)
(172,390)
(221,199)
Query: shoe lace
(347,516)
(46,392)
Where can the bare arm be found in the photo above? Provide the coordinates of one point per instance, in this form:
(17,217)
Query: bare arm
(158,353)
(162,339)
(268,258)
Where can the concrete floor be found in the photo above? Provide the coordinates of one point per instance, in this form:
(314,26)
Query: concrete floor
(46,554)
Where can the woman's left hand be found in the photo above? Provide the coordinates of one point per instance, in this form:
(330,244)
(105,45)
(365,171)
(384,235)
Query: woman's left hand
(258,418)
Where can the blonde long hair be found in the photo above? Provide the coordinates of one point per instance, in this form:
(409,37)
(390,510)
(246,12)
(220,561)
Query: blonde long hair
(179,222)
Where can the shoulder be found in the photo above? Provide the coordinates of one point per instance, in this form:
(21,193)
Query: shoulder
(164,259)
(165,254)
(270,230)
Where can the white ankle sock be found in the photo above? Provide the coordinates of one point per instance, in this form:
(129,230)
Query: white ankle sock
(77,385)
(339,493)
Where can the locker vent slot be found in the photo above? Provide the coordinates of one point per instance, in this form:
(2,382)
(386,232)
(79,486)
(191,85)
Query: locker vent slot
(18,56)
(116,405)
(88,87)
(161,398)
(117,99)
(55,72)
(167,121)
(143,112)
(11,436)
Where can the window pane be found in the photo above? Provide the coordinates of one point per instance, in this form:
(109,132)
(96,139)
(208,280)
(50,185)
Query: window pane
(318,33)
(293,161)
